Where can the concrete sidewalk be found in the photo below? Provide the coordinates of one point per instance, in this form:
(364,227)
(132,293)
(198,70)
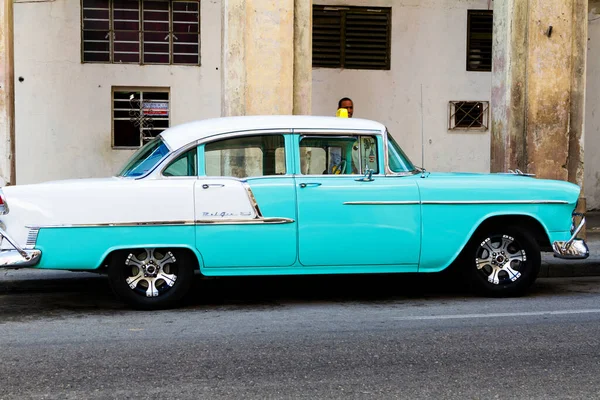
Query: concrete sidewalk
(553,267)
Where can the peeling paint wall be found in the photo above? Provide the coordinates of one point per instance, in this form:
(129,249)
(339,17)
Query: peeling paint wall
(63,107)
(429,48)
(592,109)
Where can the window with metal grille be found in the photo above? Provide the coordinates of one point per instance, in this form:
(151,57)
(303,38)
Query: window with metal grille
(479,40)
(468,115)
(352,37)
(141,31)
(138,116)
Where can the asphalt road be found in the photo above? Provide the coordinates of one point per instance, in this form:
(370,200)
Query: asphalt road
(66,337)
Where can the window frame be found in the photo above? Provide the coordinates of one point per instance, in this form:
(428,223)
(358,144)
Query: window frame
(470,14)
(141,120)
(111,34)
(284,134)
(184,151)
(343,44)
(342,135)
(483,123)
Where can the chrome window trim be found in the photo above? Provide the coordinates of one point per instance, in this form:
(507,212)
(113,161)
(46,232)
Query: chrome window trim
(386,160)
(250,132)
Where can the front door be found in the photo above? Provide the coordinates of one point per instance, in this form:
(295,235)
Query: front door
(348,219)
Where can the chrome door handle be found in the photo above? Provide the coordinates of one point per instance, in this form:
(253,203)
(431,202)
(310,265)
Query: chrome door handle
(311,184)
(207,185)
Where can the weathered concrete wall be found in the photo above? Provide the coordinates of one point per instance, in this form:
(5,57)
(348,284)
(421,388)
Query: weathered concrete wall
(63,107)
(508,142)
(592,109)
(549,38)
(302,56)
(549,78)
(258,57)
(428,48)
(7,112)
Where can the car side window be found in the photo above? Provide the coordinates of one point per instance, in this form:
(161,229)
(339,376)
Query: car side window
(184,165)
(338,155)
(246,156)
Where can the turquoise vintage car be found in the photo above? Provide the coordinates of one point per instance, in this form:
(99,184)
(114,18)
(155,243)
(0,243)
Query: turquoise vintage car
(286,195)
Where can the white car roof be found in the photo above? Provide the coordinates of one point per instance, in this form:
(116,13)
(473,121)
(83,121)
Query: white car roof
(183,134)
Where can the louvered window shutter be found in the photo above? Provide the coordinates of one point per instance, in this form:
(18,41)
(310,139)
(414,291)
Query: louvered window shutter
(351,37)
(479,40)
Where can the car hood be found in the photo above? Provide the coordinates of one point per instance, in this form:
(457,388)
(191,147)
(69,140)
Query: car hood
(495,187)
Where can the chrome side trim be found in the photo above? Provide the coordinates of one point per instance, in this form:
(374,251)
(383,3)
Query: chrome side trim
(241,221)
(222,221)
(457,202)
(379,203)
(496,202)
(32,236)
(108,224)
(252,199)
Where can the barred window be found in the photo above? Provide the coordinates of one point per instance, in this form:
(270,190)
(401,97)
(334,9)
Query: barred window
(480,25)
(138,116)
(352,37)
(141,31)
(468,115)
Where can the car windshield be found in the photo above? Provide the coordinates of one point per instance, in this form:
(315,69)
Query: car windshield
(145,159)
(398,161)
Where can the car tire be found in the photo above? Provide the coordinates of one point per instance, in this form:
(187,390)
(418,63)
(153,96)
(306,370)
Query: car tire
(502,261)
(151,278)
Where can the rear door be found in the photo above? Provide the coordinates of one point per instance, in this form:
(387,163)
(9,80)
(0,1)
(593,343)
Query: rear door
(245,202)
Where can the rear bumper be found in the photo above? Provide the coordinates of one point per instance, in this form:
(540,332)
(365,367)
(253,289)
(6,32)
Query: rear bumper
(574,249)
(17,257)
(14,259)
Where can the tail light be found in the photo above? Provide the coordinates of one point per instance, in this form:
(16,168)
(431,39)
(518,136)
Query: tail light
(3,205)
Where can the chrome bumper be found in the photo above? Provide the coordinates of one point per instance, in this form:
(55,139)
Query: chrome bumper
(14,259)
(574,249)
(18,257)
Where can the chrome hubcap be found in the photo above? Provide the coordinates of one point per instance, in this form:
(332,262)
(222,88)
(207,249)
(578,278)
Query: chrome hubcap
(500,259)
(151,272)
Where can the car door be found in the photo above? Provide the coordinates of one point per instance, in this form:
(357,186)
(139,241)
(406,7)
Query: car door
(245,202)
(346,218)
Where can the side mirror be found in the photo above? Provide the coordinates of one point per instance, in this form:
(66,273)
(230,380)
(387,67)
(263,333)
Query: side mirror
(368,177)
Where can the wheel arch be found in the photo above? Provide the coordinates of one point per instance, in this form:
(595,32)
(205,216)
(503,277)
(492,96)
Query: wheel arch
(528,222)
(195,256)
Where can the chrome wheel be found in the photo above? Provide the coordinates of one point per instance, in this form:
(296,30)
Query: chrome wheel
(500,259)
(150,272)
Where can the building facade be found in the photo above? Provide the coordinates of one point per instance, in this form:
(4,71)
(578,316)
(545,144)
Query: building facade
(90,74)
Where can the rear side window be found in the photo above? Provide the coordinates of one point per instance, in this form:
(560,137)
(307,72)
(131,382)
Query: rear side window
(246,156)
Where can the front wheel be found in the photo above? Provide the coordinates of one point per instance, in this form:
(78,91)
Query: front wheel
(150,278)
(502,261)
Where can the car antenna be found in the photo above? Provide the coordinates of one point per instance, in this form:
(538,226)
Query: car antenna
(422,138)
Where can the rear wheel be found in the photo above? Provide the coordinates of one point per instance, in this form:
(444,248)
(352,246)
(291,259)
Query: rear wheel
(150,278)
(502,261)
